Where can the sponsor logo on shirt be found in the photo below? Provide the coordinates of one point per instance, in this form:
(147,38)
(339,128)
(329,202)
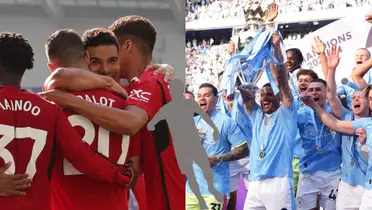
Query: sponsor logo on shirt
(139,95)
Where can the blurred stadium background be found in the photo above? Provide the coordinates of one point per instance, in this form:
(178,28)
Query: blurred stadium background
(210,25)
(37,19)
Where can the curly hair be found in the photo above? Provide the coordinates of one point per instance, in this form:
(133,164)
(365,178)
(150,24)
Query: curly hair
(16,54)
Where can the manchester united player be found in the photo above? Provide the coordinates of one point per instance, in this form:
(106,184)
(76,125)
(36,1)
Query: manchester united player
(71,189)
(33,131)
(165,184)
(103,49)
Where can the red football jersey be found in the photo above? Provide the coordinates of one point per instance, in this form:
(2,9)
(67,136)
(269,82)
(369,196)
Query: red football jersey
(72,190)
(32,130)
(165,184)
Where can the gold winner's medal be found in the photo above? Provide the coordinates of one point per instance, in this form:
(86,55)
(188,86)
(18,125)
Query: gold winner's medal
(318,148)
(262,154)
(352,162)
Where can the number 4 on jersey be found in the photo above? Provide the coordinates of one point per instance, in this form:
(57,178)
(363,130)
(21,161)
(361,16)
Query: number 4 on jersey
(103,142)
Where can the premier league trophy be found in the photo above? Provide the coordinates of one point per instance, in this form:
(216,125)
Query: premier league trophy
(256,50)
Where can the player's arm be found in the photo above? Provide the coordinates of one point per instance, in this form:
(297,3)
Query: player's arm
(75,79)
(128,121)
(333,99)
(134,153)
(358,73)
(329,120)
(318,47)
(238,140)
(248,93)
(85,160)
(282,76)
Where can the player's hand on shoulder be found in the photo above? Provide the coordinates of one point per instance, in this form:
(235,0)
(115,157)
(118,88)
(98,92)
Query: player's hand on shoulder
(117,89)
(59,97)
(13,185)
(165,69)
(128,170)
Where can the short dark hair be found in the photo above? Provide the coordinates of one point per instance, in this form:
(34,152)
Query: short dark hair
(320,80)
(99,36)
(16,54)
(188,92)
(220,74)
(208,85)
(137,28)
(367,90)
(66,46)
(267,85)
(298,54)
(309,72)
(365,49)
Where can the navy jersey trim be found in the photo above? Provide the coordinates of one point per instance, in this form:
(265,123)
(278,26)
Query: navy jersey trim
(162,141)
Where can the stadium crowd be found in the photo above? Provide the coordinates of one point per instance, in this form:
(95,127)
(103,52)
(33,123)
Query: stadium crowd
(230,9)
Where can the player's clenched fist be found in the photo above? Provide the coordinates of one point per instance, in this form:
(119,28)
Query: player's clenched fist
(128,170)
(368,17)
(361,133)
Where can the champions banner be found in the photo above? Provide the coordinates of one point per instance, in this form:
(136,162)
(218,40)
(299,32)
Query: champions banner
(351,33)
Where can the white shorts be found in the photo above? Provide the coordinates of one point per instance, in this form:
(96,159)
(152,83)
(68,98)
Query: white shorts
(239,168)
(366,200)
(349,197)
(235,180)
(271,194)
(311,184)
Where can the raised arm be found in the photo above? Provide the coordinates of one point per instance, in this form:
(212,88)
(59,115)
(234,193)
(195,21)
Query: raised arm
(282,76)
(329,120)
(248,93)
(319,48)
(358,73)
(333,61)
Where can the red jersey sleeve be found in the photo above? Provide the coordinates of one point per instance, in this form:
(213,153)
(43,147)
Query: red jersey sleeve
(82,157)
(135,146)
(146,94)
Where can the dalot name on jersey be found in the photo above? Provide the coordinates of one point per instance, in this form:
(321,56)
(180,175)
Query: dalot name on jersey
(19,105)
(104,101)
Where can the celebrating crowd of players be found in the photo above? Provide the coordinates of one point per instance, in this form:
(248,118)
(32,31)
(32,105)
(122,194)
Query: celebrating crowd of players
(308,147)
(45,164)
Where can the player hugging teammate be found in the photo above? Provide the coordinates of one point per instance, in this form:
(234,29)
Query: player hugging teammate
(45,163)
